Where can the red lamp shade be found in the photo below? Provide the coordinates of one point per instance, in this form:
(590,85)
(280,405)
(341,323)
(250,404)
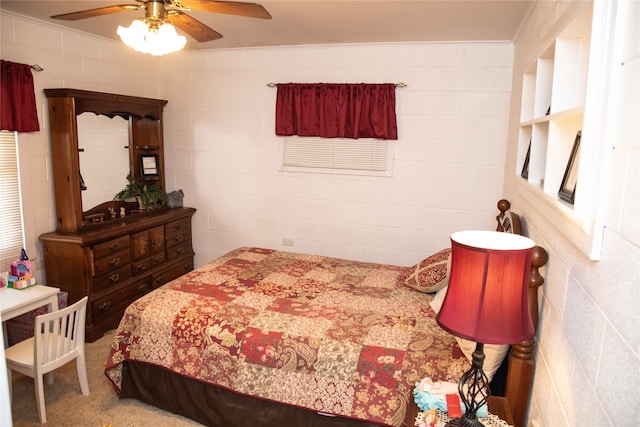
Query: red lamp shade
(486,300)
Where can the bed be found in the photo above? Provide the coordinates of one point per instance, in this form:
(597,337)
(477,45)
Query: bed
(263,337)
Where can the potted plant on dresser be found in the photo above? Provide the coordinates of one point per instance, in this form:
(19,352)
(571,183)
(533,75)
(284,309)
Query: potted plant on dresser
(149,196)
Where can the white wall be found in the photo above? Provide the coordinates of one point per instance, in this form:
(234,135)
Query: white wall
(452,119)
(588,363)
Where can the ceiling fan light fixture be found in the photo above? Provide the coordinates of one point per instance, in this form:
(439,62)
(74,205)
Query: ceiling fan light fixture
(152,39)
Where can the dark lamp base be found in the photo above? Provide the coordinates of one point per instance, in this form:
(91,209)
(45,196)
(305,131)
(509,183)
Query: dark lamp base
(464,422)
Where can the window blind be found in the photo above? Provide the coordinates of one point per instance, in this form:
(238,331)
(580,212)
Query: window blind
(337,155)
(11,231)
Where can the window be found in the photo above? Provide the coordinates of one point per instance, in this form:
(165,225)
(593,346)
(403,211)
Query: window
(338,156)
(11,230)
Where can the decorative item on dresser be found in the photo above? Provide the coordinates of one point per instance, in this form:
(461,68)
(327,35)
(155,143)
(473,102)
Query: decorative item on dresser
(113,252)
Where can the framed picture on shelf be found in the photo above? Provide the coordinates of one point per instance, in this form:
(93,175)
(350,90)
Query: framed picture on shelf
(567,190)
(149,165)
(525,165)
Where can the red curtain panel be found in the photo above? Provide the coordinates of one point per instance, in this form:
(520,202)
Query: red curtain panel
(331,110)
(17,98)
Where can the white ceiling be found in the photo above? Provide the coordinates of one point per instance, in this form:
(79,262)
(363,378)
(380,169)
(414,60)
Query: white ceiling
(304,22)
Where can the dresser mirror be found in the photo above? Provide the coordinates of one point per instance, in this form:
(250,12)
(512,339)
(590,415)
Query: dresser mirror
(103,149)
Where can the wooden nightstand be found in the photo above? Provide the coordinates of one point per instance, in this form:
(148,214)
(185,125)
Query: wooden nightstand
(412,412)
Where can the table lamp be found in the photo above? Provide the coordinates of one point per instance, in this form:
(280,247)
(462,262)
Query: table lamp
(486,302)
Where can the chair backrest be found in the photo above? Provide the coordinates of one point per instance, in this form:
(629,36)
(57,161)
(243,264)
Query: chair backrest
(59,336)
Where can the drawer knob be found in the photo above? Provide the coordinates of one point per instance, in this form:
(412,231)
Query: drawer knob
(114,277)
(143,288)
(159,280)
(179,238)
(178,226)
(114,247)
(105,306)
(115,261)
(179,250)
(142,267)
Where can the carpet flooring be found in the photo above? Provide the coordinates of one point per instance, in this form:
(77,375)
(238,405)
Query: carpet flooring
(66,406)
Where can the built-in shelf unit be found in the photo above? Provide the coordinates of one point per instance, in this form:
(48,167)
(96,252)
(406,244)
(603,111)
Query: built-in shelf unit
(560,88)
(553,103)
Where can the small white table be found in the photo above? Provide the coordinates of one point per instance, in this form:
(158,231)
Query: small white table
(14,302)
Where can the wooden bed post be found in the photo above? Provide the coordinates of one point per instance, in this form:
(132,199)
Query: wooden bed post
(516,224)
(520,375)
(520,372)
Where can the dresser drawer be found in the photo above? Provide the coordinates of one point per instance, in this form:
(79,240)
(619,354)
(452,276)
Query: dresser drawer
(147,242)
(172,272)
(111,304)
(179,250)
(111,262)
(157,259)
(140,266)
(111,278)
(143,265)
(111,247)
(177,232)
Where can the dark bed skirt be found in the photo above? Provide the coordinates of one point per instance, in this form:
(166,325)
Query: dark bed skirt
(215,406)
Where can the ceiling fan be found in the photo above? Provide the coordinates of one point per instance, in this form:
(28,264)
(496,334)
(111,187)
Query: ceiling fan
(158,12)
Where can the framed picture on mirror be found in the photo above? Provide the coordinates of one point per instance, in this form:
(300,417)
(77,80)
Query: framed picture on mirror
(149,165)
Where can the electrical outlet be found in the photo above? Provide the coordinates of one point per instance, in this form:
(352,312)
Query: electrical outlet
(288,242)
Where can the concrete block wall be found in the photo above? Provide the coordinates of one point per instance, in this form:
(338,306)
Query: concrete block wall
(449,158)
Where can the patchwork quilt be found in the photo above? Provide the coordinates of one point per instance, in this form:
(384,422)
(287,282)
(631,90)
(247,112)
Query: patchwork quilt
(329,335)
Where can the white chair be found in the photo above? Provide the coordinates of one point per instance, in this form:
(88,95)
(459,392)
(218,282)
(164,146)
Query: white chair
(58,339)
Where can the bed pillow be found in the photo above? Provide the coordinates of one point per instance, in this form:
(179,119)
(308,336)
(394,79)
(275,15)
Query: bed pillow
(431,274)
(438,299)
(494,354)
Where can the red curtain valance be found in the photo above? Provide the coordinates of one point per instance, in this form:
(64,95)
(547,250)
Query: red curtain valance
(331,110)
(17,98)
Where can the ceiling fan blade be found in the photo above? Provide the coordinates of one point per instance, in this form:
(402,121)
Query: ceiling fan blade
(192,26)
(74,16)
(252,10)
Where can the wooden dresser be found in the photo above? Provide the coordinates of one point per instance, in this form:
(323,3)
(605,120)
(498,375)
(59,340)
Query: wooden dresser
(115,265)
(127,252)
